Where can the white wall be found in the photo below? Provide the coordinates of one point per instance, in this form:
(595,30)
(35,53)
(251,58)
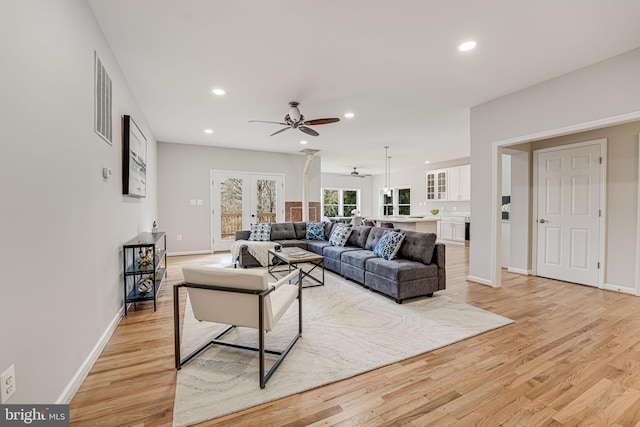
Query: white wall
(62,224)
(185,174)
(606,89)
(519,219)
(416,179)
(365,185)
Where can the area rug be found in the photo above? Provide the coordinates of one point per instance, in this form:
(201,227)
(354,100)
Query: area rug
(347,330)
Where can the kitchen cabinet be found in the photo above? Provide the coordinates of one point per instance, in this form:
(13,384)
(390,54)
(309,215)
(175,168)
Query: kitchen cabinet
(451,184)
(451,229)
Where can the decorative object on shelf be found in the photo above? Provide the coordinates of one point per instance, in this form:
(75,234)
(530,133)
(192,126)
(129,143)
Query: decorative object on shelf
(435,211)
(145,284)
(154,229)
(145,256)
(144,262)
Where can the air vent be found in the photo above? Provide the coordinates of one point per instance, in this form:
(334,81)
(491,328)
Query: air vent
(102,101)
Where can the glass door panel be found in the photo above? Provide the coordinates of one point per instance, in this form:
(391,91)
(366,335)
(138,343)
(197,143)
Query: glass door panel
(230,207)
(266,201)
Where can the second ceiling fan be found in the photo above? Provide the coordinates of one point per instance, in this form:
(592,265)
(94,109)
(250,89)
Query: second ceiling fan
(295,120)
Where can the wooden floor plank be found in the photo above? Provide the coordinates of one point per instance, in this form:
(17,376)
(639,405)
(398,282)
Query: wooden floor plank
(572,357)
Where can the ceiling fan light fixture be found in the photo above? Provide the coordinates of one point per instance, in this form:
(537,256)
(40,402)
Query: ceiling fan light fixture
(218,91)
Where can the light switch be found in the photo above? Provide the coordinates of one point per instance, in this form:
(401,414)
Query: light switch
(192,202)
(199,202)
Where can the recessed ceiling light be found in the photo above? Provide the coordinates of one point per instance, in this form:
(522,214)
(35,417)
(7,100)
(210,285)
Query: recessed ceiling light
(427,162)
(218,91)
(467,46)
(208,131)
(349,115)
(303,142)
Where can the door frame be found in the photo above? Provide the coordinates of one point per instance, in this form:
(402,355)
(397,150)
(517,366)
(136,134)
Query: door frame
(250,174)
(495,279)
(602,144)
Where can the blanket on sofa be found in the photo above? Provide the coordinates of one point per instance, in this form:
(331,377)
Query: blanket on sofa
(257,249)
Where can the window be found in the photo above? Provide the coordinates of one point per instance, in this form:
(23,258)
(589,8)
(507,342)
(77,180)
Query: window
(404,201)
(339,201)
(387,204)
(398,201)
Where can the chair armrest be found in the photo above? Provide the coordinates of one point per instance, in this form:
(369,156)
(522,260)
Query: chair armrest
(285,279)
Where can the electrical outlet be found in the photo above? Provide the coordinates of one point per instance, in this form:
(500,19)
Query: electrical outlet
(8,383)
(179,236)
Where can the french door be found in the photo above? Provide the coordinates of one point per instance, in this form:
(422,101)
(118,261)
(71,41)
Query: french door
(240,199)
(568,219)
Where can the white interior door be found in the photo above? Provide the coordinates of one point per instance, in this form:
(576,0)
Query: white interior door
(239,199)
(568,214)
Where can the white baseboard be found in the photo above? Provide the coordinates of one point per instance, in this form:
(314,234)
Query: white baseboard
(189,253)
(479,280)
(73,386)
(621,289)
(519,271)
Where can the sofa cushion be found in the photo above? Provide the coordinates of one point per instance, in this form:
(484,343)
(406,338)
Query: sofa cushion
(374,235)
(334,252)
(301,229)
(359,236)
(282,231)
(389,244)
(418,246)
(356,258)
(400,270)
(340,235)
(315,231)
(328,228)
(316,246)
(260,232)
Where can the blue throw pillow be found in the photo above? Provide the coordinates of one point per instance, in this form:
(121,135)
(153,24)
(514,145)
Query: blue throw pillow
(260,232)
(389,244)
(315,231)
(340,235)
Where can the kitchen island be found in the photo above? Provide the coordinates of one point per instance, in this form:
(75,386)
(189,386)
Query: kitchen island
(423,224)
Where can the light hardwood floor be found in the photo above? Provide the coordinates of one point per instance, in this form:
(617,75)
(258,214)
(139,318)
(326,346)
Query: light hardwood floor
(572,357)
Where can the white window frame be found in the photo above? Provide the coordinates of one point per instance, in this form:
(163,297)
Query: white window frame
(395,199)
(341,200)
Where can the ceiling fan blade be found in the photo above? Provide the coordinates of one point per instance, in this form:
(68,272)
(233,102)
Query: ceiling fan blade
(320,121)
(281,130)
(264,121)
(308,131)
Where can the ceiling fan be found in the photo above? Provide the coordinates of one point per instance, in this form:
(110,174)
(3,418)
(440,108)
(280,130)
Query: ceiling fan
(357,174)
(295,120)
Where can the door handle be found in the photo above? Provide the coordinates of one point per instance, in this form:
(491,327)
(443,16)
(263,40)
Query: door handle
(542,221)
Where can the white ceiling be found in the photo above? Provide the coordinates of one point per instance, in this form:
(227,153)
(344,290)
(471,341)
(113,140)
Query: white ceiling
(395,64)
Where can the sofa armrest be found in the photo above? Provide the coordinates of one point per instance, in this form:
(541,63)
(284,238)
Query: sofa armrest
(243,234)
(439,259)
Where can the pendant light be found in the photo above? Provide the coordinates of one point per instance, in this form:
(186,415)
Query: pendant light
(386,171)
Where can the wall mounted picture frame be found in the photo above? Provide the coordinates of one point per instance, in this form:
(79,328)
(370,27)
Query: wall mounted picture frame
(134,159)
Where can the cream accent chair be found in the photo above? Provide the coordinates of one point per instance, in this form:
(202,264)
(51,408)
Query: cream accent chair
(238,297)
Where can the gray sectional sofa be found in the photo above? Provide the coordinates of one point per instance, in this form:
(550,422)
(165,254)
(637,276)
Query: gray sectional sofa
(417,270)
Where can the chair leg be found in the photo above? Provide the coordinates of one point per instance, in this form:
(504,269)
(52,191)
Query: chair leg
(261,338)
(176,325)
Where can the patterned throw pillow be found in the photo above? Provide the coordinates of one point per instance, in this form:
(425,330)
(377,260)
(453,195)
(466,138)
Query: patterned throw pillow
(315,231)
(260,232)
(340,235)
(389,244)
